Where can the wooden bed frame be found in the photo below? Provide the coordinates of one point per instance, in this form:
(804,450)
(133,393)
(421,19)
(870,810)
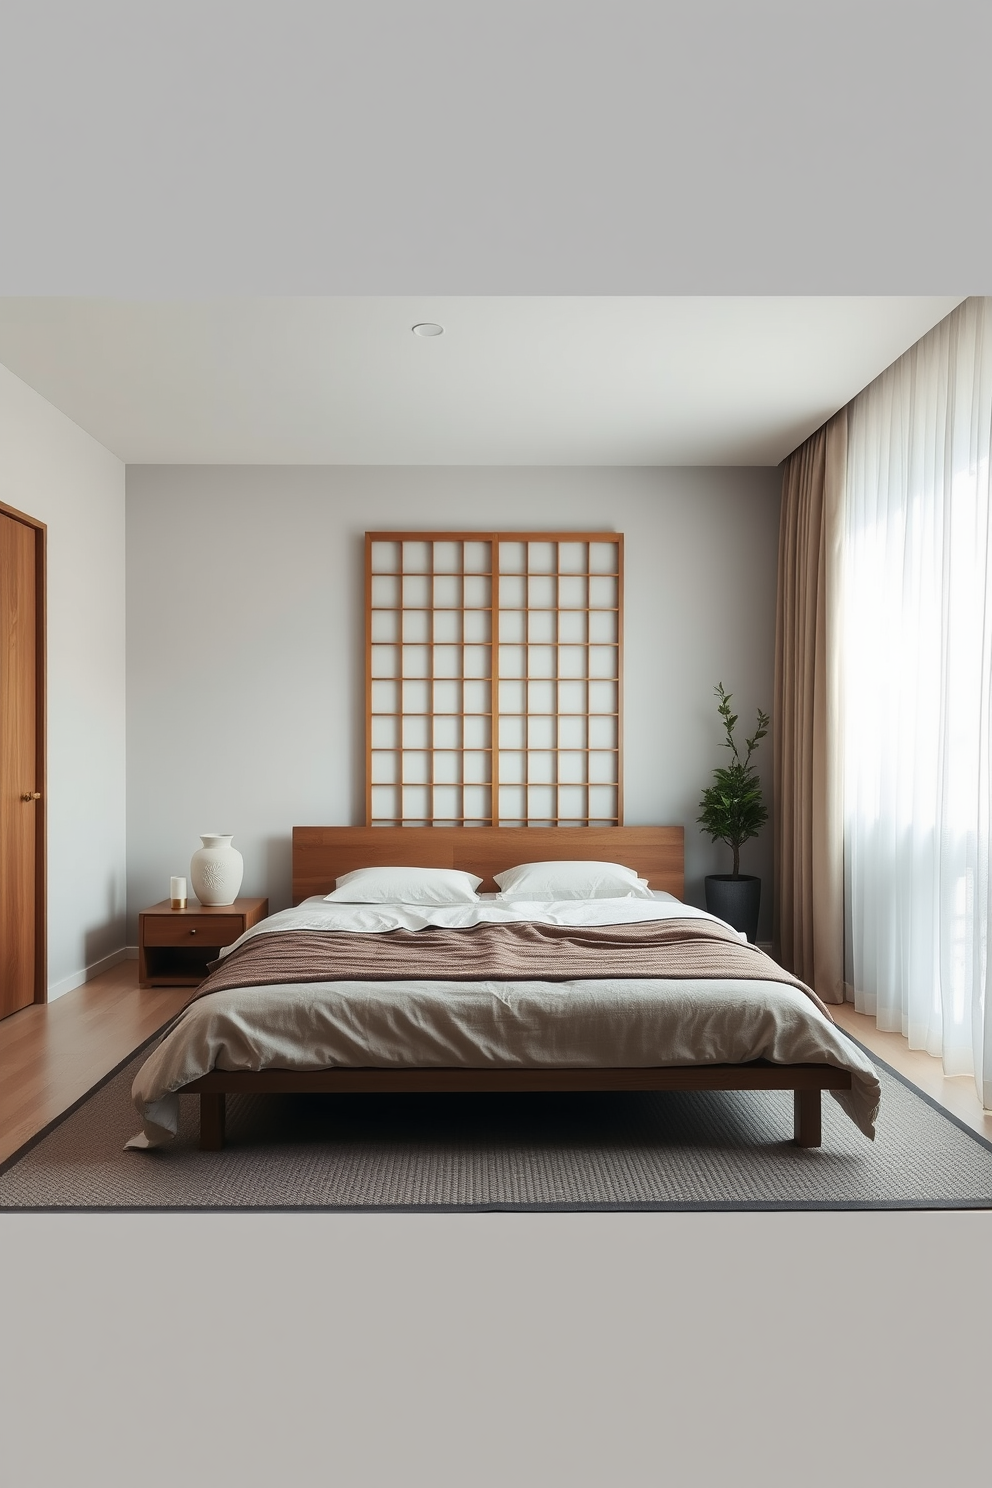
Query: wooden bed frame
(322,854)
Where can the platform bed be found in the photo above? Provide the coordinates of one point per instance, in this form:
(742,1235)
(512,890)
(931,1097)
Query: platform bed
(805,1081)
(321,854)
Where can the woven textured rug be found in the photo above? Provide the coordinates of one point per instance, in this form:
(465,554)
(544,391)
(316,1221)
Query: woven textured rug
(628,1151)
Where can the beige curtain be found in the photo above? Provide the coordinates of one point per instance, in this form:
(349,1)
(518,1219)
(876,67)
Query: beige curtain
(806,725)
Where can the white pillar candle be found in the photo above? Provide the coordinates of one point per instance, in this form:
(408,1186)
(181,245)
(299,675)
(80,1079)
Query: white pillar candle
(179,888)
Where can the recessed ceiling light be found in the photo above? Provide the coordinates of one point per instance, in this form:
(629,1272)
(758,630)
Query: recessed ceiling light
(428,328)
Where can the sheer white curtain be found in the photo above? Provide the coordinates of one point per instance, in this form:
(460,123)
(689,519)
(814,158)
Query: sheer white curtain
(917,693)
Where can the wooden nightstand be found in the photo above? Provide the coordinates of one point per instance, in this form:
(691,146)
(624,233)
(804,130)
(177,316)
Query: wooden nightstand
(174,945)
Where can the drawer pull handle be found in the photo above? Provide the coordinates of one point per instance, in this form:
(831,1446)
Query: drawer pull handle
(192,932)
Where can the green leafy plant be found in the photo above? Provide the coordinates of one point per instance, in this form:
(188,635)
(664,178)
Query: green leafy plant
(731,809)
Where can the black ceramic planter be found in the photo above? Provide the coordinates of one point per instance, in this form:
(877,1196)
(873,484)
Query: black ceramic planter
(735,900)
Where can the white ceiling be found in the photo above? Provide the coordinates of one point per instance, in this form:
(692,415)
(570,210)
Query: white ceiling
(513,381)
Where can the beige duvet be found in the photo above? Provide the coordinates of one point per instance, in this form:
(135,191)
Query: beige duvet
(594,1023)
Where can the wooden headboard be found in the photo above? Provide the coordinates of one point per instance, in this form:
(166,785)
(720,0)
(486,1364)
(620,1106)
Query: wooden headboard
(322,854)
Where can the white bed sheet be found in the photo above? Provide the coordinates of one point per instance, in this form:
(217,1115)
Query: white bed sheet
(375,919)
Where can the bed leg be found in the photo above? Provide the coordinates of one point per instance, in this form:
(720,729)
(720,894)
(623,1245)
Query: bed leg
(211,1121)
(807,1118)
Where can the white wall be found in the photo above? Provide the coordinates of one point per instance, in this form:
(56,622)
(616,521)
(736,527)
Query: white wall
(246,641)
(53,471)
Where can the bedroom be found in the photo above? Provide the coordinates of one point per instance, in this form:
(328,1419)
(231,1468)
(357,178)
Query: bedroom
(64,1256)
(233,552)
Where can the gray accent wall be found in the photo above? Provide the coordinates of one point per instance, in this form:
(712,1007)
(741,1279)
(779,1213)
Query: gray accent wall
(245,641)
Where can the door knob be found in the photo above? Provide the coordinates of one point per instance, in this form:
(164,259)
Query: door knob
(31,796)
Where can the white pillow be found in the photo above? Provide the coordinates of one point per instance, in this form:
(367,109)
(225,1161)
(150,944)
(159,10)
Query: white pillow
(572,880)
(405,886)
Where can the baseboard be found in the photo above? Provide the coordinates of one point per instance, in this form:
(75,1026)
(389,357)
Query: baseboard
(78,978)
(131,952)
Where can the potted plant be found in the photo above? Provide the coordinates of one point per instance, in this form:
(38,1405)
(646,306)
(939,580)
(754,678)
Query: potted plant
(732,811)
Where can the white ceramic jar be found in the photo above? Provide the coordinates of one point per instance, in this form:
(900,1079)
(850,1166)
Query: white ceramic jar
(216,869)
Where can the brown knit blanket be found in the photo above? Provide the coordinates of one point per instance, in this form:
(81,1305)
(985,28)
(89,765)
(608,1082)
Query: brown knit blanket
(507,953)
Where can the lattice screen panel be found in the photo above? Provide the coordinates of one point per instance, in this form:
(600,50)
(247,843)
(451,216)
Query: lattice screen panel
(493,681)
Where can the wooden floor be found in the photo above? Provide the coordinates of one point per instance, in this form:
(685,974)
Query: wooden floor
(957,1095)
(51,1056)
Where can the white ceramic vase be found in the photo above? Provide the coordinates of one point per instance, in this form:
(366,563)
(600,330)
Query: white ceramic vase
(216,869)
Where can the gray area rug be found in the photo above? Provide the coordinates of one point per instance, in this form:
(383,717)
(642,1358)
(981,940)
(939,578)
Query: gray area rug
(630,1151)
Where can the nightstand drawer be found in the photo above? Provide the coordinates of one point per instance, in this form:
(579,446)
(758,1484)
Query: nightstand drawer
(183,930)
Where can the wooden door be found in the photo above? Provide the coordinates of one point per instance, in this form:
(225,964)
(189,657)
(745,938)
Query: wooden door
(21,765)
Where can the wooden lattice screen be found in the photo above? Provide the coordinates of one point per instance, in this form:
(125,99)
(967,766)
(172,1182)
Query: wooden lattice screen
(493,678)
